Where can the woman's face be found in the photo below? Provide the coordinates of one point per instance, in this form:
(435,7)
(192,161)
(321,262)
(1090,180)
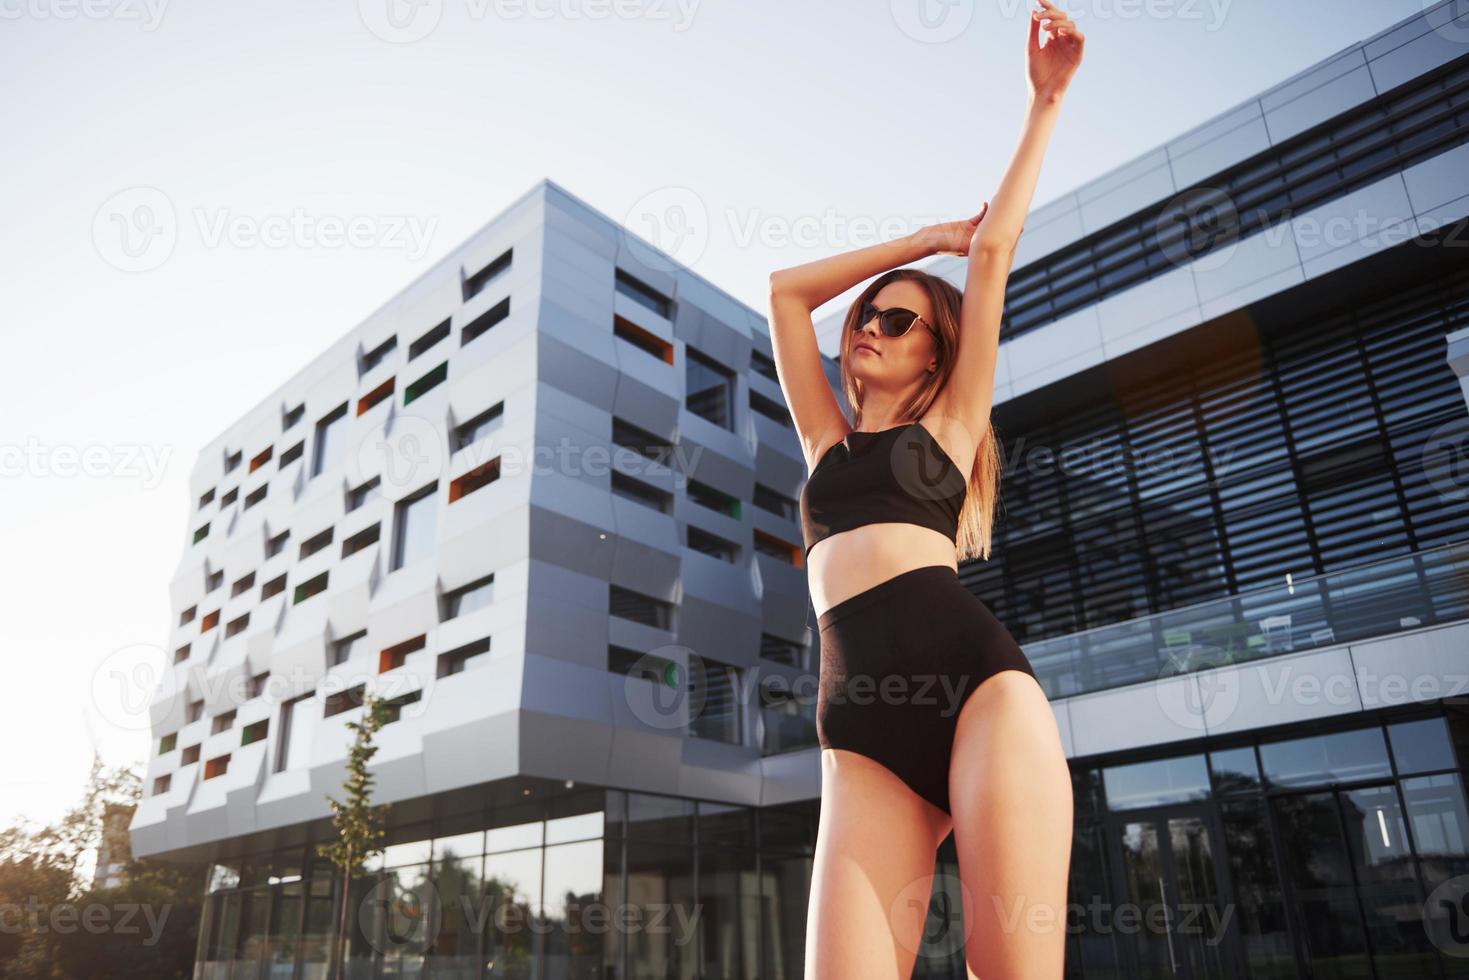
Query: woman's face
(895,362)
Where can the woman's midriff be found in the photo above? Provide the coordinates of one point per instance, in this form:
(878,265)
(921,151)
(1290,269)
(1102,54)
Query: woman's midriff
(853,561)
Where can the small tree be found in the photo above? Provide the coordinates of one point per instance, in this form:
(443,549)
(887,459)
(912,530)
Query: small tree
(357,822)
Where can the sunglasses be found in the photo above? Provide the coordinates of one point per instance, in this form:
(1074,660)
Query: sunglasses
(893,321)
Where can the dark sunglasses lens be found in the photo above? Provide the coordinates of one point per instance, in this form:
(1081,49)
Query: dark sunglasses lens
(896,322)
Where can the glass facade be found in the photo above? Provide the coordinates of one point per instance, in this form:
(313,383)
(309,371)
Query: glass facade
(1307,435)
(589,884)
(1311,854)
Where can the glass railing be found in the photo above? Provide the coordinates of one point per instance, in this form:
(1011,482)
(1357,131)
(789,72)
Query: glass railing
(1377,599)
(1428,588)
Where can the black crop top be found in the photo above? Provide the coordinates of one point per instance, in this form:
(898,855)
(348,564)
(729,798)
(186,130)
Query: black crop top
(897,475)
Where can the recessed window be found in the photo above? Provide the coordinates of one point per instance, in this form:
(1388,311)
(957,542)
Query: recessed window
(194,711)
(645,666)
(768,544)
(344,649)
(189,755)
(641,441)
(776,503)
(277,544)
(642,339)
(634,489)
(357,496)
(201,533)
(315,543)
(162,783)
(294,453)
(232,460)
(453,661)
(255,731)
(715,688)
(207,497)
(627,604)
(426,383)
(210,620)
(484,321)
(261,458)
(310,587)
(222,723)
(712,545)
(478,427)
(466,599)
(393,657)
(230,496)
(257,685)
(782,651)
(378,354)
(716,500)
(762,363)
(341,701)
(771,409)
(641,292)
(414,520)
(244,584)
(393,710)
(236,626)
(168,743)
(217,767)
(293,416)
(482,475)
(709,389)
(428,340)
(187,616)
(475,284)
(181,654)
(328,445)
(213,580)
(376,396)
(365,538)
(293,738)
(274,587)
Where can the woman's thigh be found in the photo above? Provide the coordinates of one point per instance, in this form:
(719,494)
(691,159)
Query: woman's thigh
(1010,792)
(872,873)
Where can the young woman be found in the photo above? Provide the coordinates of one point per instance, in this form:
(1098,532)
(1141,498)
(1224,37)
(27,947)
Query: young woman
(929,715)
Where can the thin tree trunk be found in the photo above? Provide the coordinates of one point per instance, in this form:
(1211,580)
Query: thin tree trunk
(339,943)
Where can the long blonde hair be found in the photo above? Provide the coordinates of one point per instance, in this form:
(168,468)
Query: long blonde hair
(976,517)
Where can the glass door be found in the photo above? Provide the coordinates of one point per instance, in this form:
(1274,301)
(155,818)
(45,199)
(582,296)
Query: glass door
(1174,922)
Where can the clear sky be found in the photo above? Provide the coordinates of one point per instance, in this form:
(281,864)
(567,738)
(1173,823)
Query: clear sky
(252,133)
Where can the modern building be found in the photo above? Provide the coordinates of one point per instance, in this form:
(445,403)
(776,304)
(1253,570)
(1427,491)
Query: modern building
(543,503)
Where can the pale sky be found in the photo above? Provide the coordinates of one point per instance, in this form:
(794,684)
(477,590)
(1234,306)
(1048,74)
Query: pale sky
(793,129)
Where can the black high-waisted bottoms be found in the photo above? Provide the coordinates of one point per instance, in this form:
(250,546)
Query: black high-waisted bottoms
(898,661)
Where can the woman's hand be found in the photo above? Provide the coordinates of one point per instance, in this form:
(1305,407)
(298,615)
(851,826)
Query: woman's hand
(951,237)
(1050,68)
